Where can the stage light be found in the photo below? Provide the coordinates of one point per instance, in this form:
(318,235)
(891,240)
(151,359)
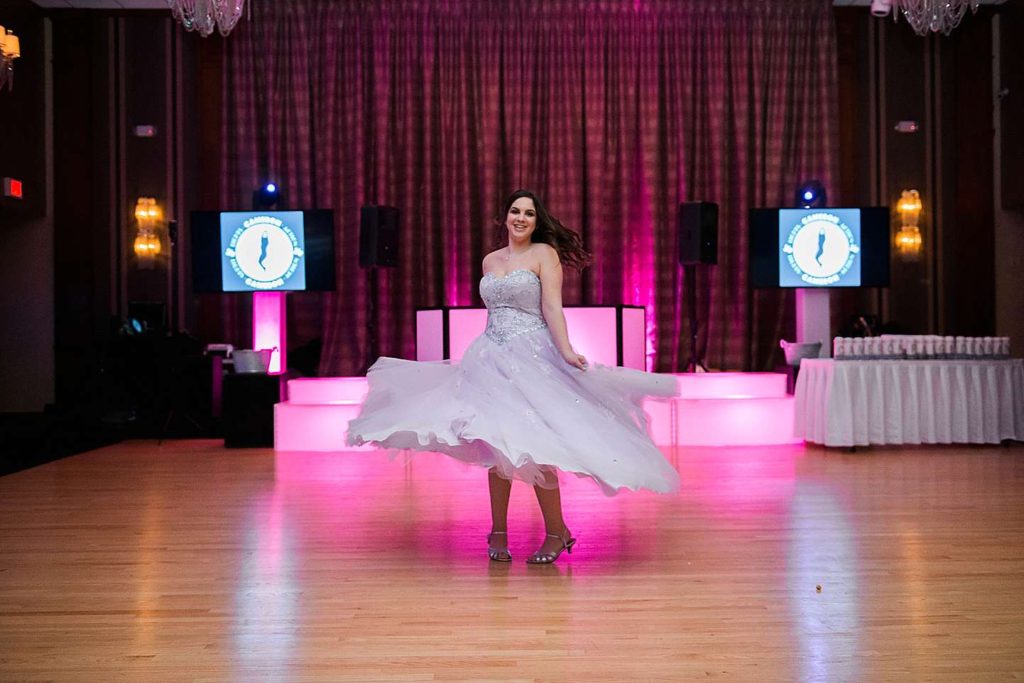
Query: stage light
(811,194)
(266,197)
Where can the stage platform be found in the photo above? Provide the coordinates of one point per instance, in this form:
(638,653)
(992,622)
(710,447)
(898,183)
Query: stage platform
(709,409)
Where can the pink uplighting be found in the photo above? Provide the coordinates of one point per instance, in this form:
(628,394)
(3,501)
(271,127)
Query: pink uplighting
(464,325)
(638,285)
(269,327)
(430,334)
(709,409)
(593,330)
(731,385)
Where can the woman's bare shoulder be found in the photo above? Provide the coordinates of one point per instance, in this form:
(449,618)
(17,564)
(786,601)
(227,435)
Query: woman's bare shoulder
(545,252)
(491,256)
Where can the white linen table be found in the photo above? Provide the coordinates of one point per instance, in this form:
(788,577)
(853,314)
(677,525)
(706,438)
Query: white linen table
(860,403)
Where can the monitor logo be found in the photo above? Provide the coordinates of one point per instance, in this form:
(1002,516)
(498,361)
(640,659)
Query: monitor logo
(264,252)
(820,248)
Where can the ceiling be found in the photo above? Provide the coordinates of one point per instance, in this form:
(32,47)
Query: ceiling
(103,4)
(162,4)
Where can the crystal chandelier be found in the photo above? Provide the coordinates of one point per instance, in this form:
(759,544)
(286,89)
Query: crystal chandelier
(931,16)
(205,15)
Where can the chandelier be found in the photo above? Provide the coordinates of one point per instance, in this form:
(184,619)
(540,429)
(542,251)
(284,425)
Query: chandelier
(203,16)
(10,49)
(927,16)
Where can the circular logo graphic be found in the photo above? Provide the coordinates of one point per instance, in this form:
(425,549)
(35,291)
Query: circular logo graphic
(264,252)
(820,249)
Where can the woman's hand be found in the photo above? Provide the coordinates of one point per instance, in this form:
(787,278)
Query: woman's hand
(574,359)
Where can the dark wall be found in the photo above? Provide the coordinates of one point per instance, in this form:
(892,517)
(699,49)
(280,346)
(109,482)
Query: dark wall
(967,279)
(26,279)
(888,74)
(112,73)
(85,254)
(1011,102)
(22,153)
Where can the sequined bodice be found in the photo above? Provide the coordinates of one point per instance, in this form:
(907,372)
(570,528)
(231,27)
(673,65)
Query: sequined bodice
(513,304)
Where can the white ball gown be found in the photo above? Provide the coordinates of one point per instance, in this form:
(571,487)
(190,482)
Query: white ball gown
(513,403)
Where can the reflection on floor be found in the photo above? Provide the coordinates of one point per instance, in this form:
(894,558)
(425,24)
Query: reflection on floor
(186,560)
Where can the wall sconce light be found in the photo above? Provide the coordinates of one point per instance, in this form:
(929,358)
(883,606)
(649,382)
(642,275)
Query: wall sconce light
(149,217)
(10,49)
(908,237)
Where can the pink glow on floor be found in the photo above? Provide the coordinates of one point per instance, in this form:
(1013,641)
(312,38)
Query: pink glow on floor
(446,513)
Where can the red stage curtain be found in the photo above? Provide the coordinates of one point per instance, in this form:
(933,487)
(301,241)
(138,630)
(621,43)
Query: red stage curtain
(614,111)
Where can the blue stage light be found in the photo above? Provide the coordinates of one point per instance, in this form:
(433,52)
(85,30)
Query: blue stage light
(811,194)
(267,196)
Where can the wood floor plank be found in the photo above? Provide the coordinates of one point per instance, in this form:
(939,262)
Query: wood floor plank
(186,561)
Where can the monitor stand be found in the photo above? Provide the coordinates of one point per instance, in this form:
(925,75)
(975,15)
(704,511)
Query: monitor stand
(269,328)
(813,318)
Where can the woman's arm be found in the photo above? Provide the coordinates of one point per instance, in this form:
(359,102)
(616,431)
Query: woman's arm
(551,305)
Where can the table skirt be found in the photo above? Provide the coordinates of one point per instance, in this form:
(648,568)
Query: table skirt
(859,403)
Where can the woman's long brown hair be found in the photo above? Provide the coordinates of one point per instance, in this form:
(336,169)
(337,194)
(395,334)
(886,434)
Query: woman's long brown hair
(550,230)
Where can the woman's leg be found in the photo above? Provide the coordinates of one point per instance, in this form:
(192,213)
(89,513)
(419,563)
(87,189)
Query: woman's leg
(500,489)
(550,498)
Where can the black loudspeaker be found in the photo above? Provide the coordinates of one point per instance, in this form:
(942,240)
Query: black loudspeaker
(698,233)
(378,236)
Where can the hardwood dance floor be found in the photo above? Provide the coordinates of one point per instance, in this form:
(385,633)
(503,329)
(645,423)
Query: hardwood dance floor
(187,561)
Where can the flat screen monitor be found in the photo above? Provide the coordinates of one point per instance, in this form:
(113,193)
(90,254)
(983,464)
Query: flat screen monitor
(262,251)
(815,248)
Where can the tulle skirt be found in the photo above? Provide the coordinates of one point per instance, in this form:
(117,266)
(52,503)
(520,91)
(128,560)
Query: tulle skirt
(520,408)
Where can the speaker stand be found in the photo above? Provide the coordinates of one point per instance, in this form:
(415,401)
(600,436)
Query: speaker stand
(372,335)
(690,283)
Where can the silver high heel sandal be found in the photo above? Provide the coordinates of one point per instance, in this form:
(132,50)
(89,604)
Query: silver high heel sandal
(548,558)
(496,554)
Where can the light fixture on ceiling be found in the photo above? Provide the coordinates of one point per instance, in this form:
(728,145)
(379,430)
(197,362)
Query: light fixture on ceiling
(927,16)
(203,16)
(10,49)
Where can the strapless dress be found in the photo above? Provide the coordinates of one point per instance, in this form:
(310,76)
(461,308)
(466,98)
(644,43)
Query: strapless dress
(514,404)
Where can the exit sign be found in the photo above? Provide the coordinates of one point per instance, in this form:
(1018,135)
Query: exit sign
(12,188)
